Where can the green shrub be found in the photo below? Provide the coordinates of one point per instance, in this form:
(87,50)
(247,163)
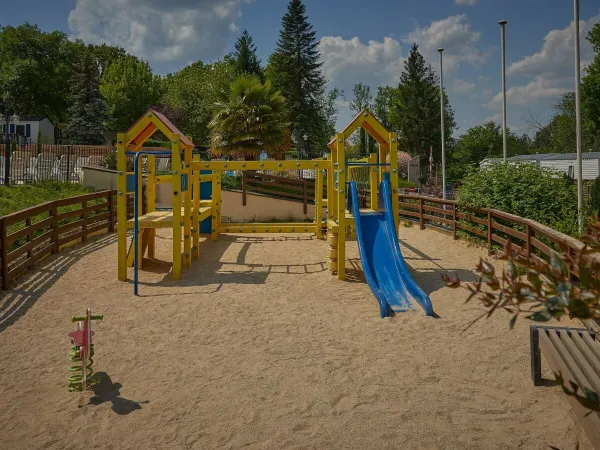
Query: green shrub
(525,190)
(406,184)
(594,204)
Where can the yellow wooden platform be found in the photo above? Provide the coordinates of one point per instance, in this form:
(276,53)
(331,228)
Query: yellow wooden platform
(164,219)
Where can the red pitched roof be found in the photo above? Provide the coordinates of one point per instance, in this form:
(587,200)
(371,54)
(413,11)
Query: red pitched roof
(172,128)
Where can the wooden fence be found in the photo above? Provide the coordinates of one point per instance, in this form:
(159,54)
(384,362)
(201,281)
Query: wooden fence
(295,189)
(496,228)
(29,235)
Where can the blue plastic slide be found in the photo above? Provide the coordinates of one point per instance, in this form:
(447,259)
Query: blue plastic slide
(383,265)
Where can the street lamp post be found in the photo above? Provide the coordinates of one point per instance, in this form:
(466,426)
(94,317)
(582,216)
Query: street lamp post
(504,140)
(441,50)
(6,145)
(578,116)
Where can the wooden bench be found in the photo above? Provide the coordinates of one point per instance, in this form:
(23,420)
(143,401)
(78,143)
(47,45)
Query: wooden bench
(574,354)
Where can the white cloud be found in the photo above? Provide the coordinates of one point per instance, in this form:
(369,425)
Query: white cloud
(556,57)
(349,61)
(455,35)
(466,2)
(177,30)
(540,89)
(463,87)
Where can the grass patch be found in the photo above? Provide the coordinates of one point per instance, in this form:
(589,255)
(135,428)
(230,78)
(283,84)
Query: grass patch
(16,198)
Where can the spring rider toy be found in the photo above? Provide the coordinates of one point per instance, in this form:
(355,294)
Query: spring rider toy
(82,351)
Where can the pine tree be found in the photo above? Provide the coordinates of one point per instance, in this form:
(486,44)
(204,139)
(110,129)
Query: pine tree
(246,61)
(415,110)
(296,72)
(363,99)
(88,110)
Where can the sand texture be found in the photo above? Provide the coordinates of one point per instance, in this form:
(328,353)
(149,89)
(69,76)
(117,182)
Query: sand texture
(259,347)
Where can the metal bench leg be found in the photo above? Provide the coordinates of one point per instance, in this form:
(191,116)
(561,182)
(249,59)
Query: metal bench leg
(536,357)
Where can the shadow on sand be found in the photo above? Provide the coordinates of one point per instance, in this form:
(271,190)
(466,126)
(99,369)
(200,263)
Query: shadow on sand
(213,271)
(106,391)
(30,286)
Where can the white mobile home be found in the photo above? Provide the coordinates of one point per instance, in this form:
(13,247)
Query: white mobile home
(28,128)
(567,163)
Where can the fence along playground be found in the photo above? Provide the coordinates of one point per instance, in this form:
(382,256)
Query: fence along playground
(375,229)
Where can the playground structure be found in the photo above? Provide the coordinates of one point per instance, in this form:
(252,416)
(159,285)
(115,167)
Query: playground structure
(190,209)
(82,351)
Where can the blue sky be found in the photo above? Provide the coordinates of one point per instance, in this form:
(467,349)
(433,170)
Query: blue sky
(360,41)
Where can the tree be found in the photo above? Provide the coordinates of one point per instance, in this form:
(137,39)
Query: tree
(559,135)
(590,90)
(88,110)
(106,55)
(383,102)
(35,70)
(594,205)
(363,99)
(246,61)
(415,110)
(525,190)
(194,90)
(329,112)
(295,69)
(480,142)
(248,116)
(129,88)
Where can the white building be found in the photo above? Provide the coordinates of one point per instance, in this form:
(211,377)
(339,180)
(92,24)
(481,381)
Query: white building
(564,162)
(28,127)
(567,163)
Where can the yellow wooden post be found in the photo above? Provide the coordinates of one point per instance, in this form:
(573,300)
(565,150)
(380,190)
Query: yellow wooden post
(332,203)
(318,201)
(140,201)
(383,149)
(341,205)
(177,222)
(187,208)
(216,205)
(393,140)
(121,207)
(196,222)
(373,178)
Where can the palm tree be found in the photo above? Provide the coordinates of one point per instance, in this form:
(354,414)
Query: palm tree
(247,117)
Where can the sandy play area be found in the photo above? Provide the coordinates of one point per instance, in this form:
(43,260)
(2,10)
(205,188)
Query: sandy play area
(259,347)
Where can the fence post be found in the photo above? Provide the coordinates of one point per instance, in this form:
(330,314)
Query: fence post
(528,239)
(454,221)
(489,231)
(84,224)
(27,225)
(421,220)
(3,235)
(111,213)
(305,195)
(243,188)
(68,173)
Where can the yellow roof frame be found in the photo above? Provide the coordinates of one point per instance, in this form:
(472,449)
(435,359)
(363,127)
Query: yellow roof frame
(147,125)
(370,124)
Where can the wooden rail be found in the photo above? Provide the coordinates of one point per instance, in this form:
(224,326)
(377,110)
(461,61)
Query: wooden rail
(294,189)
(31,234)
(497,228)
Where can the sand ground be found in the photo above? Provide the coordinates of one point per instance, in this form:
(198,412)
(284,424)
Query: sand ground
(259,347)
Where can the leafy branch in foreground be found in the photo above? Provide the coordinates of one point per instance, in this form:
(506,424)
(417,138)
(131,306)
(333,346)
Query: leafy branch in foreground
(542,290)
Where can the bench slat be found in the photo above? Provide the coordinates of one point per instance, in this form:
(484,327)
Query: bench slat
(589,421)
(590,356)
(578,375)
(592,344)
(579,358)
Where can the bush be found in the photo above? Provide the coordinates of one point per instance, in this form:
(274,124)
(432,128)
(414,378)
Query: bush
(594,204)
(525,190)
